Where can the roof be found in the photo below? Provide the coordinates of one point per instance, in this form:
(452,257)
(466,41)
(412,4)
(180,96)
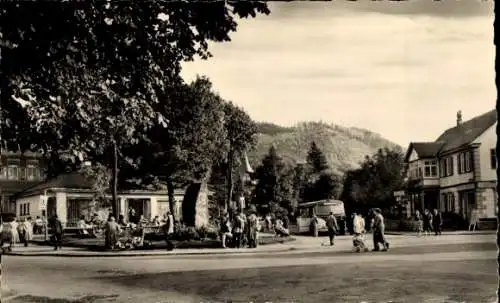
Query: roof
(467,131)
(424,149)
(73,180)
(455,137)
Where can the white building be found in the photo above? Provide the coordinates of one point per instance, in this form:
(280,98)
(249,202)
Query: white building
(457,172)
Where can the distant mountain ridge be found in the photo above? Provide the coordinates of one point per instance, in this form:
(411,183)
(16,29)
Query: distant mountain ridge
(345,147)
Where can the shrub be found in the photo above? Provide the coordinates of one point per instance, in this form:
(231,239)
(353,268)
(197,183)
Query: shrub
(183,233)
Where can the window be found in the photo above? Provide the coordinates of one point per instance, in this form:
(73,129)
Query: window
(493,158)
(3,172)
(465,162)
(442,168)
(430,168)
(31,172)
(448,202)
(446,167)
(13,172)
(24,209)
(449,166)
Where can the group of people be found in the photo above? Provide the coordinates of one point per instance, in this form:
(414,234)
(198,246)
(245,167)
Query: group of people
(113,230)
(377,227)
(428,222)
(239,230)
(17,231)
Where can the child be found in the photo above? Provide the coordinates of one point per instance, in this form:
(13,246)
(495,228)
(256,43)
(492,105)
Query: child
(358,240)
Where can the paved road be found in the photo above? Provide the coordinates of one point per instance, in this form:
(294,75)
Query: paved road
(78,277)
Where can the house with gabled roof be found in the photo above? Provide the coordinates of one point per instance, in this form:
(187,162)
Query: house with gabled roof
(456,173)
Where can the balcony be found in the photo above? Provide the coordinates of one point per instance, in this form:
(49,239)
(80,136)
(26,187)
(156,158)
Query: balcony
(421,182)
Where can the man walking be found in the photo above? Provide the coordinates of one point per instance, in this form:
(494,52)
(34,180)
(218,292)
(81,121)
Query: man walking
(331,224)
(379,231)
(58,231)
(168,231)
(437,221)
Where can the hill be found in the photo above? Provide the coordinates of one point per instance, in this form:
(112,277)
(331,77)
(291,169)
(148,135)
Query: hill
(344,147)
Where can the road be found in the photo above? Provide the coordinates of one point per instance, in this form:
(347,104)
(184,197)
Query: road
(276,277)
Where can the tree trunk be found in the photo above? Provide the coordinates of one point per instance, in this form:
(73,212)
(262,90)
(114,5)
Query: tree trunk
(114,186)
(171,199)
(229,180)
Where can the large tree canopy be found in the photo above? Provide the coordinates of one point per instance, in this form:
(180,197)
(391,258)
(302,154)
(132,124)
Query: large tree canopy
(87,77)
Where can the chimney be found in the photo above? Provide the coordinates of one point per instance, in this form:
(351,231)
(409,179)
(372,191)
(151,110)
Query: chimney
(459,118)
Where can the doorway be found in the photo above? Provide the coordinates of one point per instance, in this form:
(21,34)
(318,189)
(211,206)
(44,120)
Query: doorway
(137,208)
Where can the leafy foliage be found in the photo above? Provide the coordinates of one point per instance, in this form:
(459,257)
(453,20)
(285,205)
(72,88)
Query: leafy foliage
(374,183)
(80,80)
(275,181)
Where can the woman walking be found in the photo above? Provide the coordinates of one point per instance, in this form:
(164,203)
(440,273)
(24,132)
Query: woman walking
(427,222)
(420,223)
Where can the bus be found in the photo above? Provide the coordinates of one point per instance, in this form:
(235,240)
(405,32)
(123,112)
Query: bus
(322,209)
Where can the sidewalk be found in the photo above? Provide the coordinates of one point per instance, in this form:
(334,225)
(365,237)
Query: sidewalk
(301,244)
(449,233)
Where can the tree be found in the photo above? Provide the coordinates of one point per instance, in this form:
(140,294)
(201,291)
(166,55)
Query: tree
(373,184)
(275,181)
(316,159)
(320,183)
(240,137)
(186,150)
(86,78)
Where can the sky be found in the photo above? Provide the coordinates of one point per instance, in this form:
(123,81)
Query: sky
(400,69)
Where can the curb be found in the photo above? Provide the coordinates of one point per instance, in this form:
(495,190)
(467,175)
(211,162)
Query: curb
(85,254)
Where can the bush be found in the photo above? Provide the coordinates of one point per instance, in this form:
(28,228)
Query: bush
(183,233)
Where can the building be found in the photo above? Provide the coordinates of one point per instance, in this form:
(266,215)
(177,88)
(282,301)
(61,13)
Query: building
(71,196)
(18,171)
(457,172)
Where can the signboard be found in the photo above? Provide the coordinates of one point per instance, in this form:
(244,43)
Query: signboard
(43,202)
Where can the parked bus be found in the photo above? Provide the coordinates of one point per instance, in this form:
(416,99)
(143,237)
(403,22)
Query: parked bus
(322,209)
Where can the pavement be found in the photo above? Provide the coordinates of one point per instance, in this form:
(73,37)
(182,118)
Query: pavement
(300,245)
(80,278)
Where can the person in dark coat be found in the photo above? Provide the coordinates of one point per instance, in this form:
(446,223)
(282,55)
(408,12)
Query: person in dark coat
(58,232)
(112,233)
(333,227)
(427,222)
(437,222)
(379,231)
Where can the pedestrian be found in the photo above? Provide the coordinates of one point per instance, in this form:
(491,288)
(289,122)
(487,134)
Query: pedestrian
(38,228)
(6,237)
(253,225)
(427,222)
(168,231)
(225,229)
(420,223)
(314,225)
(331,224)
(379,231)
(111,231)
(437,222)
(58,232)
(25,231)
(239,227)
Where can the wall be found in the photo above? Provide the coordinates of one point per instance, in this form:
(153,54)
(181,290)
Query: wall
(34,202)
(488,141)
(456,178)
(485,201)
